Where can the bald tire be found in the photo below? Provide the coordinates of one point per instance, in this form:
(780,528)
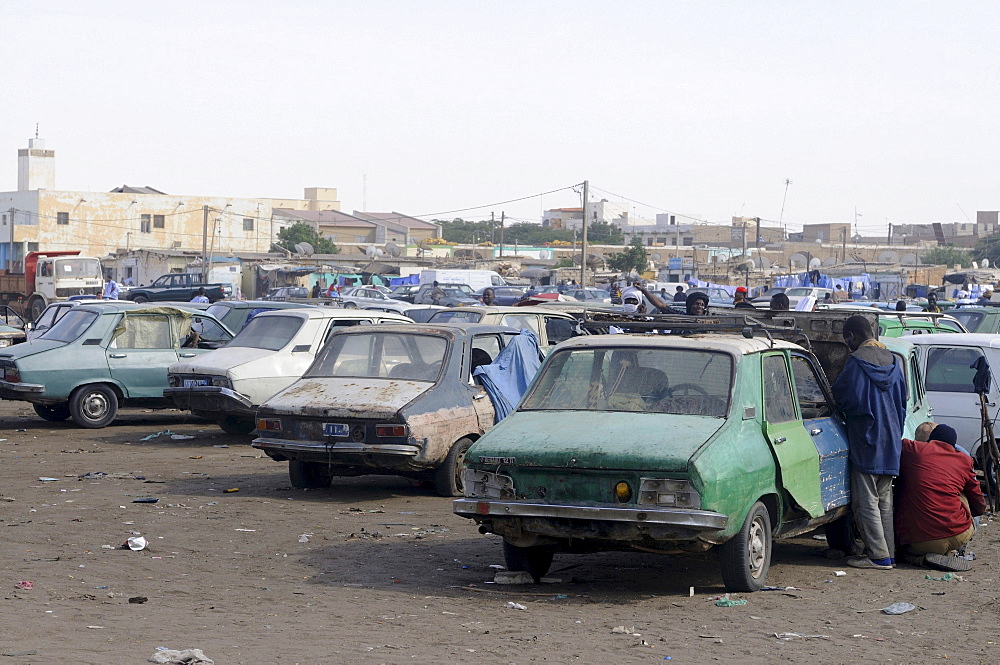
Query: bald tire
(448,476)
(746,557)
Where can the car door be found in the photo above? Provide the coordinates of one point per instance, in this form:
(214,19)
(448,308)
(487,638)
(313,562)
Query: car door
(948,377)
(480,347)
(557,329)
(140,351)
(826,427)
(797,455)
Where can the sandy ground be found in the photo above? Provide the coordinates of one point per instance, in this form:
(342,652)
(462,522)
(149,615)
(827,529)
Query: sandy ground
(378,570)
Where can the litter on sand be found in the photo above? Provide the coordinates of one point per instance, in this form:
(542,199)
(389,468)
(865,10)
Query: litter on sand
(181,437)
(899,608)
(516,606)
(726,601)
(622,630)
(513,577)
(25,584)
(947,577)
(150,437)
(183,657)
(792,636)
(839,573)
(46,479)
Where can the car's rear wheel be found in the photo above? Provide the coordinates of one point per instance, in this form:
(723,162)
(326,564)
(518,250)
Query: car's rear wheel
(448,476)
(93,406)
(35,308)
(55,413)
(309,475)
(746,557)
(140,299)
(350,305)
(237,425)
(536,560)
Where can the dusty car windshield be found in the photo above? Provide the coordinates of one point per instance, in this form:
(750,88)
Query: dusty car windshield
(636,380)
(970,319)
(381,355)
(268,332)
(445,316)
(71,326)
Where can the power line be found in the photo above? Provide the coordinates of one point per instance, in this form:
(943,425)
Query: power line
(490,205)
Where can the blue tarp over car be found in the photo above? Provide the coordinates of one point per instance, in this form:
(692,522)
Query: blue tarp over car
(507,378)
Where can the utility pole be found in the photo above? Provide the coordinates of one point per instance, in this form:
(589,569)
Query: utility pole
(843,237)
(502,217)
(583,239)
(10,257)
(204,245)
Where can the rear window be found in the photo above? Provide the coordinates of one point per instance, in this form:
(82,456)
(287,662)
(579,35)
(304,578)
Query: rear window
(268,332)
(448,316)
(71,326)
(634,380)
(374,355)
(218,311)
(970,319)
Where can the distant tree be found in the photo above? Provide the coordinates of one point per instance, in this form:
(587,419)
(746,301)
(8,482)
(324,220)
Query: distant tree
(634,258)
(947,255)
(302,232)
(564,262)
(988,247)
(603,233)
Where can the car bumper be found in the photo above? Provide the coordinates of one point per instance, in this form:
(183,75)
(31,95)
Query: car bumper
(211,399)
(347,452)
(696,519)
(22,391)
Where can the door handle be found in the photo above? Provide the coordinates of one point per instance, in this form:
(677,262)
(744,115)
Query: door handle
(780,439)
(987,404)
(187,355)
(479,396)
(818,430)
(119,355)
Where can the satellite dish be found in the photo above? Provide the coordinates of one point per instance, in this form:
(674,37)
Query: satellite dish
(656,256)
(304,249)
(830,261)
(797,259)
(975,265)
(888,256)
(908,259)
(372,251)
(985,263)
(392,249)
(815,263)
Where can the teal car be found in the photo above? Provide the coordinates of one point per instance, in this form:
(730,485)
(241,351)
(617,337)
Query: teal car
(666,442)
(917,323)
(97,358)
(979,319)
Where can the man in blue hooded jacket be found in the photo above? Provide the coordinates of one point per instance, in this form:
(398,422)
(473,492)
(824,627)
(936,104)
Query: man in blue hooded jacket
(871,393)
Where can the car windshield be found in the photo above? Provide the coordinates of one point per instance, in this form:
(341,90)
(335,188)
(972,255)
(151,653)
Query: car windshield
(800,291)
(381,355)
(78,268)
(71,326)
(268,332)
(634,380)
(460,291)
(970,319)
(448,316)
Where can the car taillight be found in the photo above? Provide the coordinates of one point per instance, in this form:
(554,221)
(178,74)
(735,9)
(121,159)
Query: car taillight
(268,424)
(11,374)
(390,430)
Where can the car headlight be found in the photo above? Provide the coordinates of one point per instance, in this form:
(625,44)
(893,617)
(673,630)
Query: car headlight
(4,342)
(487,485)
(668,493)
(222,382)
(173,380)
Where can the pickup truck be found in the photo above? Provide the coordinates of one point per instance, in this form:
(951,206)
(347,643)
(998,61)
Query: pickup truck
(720,431)
(180,286)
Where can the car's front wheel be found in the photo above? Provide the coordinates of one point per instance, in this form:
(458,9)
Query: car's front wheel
(308,475)
(746,556)
(237,425)
(54,413)
(140,299)
(448,476)
(93,406)
(536,560)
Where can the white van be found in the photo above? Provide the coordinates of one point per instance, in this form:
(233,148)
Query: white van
(476,279)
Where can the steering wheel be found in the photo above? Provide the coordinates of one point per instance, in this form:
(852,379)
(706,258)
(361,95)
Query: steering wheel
(687,389)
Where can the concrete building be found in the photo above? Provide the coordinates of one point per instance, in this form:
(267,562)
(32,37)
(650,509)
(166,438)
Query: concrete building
(832,232)
(37,216)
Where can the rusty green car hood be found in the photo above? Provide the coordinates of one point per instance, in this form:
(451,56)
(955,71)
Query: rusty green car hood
(566,439)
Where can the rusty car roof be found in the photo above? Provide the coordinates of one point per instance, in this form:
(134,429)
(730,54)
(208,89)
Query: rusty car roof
(736,345)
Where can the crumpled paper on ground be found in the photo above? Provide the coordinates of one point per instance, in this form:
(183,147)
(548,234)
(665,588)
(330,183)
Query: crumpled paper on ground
(184,657)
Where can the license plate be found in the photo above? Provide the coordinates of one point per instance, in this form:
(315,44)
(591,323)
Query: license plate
(336,429)
(194,383)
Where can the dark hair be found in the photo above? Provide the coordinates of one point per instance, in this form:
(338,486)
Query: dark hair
(679,288)
(900,306)
(858,326)
(695,295)
(779,301)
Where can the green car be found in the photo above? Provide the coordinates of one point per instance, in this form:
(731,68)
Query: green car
(99,357)
(979,319)
(917,323)
(666,442)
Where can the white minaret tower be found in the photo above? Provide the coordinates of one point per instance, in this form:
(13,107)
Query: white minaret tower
(36,166)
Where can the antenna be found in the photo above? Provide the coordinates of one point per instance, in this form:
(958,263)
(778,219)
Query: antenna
(36,130)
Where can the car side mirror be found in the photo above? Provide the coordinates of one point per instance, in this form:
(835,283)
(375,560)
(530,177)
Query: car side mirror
(301,348)
(748,332)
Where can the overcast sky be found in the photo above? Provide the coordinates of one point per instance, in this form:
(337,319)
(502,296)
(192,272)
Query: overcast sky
(699,107)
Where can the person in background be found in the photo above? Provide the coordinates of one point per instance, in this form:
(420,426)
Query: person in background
(436,294)
(663,293)
(932,305)
(828,299)
(900,306)
(315,291)
(938,495)
(679,294)
(632,302)
(839,294)
(697,303)
(871,393)
(489,297)
(779,302)
(740,299)
(110,289)
(986,298)
(201,295)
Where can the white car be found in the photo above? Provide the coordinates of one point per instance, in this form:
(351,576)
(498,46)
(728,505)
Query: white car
(946,360)
(268,355)
(368,297)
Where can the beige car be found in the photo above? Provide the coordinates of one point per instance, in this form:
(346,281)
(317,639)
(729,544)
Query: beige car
(550,327)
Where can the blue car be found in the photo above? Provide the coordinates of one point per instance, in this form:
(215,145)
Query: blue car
(505,296)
